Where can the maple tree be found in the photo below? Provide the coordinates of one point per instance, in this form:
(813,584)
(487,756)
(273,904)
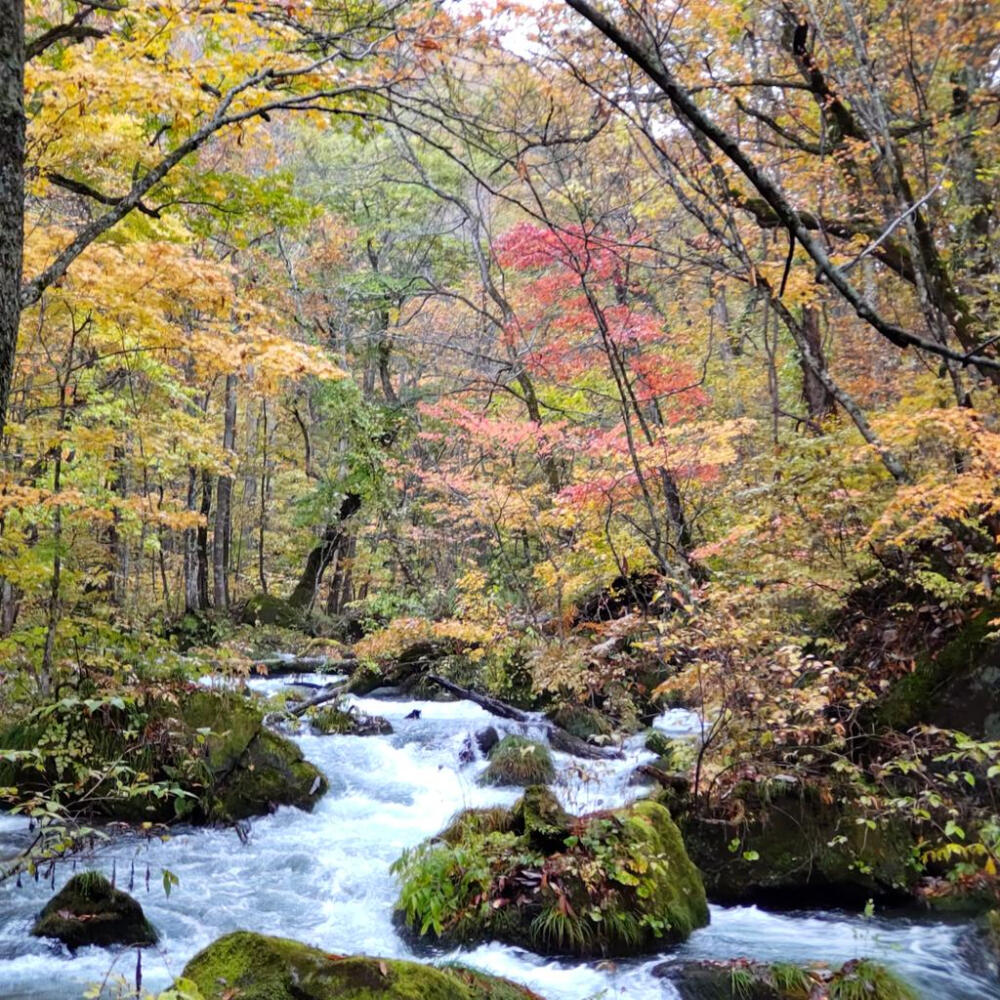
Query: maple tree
(376,319)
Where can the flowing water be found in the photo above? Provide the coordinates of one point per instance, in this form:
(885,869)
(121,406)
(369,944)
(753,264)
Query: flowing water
(324,878)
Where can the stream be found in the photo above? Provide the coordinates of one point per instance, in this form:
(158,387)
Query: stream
(323,878)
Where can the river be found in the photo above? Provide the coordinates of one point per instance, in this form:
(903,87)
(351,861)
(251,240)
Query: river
(323,878)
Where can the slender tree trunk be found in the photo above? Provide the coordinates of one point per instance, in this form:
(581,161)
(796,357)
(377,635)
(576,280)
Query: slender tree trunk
(190,548)
(202,539)
(11,187)
(820,402)
(264,480)
(223,506)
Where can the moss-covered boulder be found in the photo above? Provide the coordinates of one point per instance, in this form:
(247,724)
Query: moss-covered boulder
(255,967)
(88,910)
(740,979)
(790,844)
(520,762)
(956,687)
(329,720)
(658,742)
(609,883)
(207,755)
(268,609)
(581,721)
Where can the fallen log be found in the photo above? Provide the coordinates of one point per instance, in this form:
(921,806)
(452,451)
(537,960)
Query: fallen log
(327,694)
(675,781)
(492,705)
(558,737)
(279,666)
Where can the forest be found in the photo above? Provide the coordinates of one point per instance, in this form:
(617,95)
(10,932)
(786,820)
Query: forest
(499,499)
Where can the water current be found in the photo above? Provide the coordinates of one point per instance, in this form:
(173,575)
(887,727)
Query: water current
(323,878)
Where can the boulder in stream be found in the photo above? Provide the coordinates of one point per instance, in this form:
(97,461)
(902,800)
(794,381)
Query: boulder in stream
(88,910)
(209,751)
(581,721)
(793,844)
(609,883)
(487,739)
(329,720)
(254,967)
(518,761)
(742,979)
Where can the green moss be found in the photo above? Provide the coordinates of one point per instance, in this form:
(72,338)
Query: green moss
(473,822)
(89,911)
(740,979)
(518,761)
(581,721)
(867,980)
(255,967)
(208,752)
(267,609)
(791,843)
(958,687)
(659,743)
(333,721)
(613,883)
(272,772)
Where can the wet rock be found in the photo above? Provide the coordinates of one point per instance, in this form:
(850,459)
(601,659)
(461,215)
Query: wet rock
(211,747)
(958,687)
(88,911)
(255,967)
(582,722)
(610,883)
(518,761)
(487,739)
(330,720)
(415,714)
(467,753)
(795,845)
(749,980)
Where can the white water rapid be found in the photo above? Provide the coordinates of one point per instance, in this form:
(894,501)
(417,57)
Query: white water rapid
(324,878)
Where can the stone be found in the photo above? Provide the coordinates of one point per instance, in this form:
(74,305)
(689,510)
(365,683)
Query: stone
(254,967)
(606,884)
(88,911)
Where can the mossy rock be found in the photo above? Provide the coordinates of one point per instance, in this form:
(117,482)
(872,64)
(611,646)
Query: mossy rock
(740,979)
(792,846)
(208,749)
(88,910)
(958,687)
(659,743)
(254,967)
(518,761)
(581,721)
(610,883)
(333,721)
(268,609)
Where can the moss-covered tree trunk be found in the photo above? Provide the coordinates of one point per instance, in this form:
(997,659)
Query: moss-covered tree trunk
(335,538)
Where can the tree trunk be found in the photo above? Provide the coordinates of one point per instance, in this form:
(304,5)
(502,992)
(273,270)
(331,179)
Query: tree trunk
(224,492)
(340,583)
(202,539)
(191,602)
(820,402)
(11,187)
(323,554)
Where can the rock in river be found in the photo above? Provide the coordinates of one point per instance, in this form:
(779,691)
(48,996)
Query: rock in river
(255,967)
(88,910)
